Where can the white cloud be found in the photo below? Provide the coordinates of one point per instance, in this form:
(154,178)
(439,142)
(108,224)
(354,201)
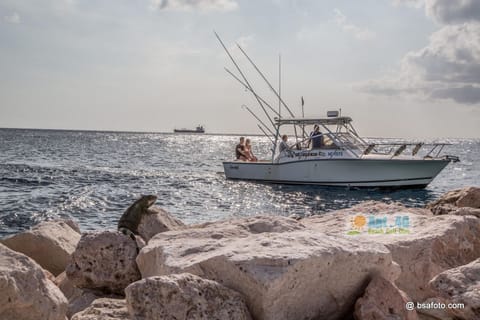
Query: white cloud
(13,18)
(202,5)
(448,67)
(358,32)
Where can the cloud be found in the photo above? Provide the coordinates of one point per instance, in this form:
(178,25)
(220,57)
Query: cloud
(14,18)
(202,5)
(448,67)
(359,33)
(447,11)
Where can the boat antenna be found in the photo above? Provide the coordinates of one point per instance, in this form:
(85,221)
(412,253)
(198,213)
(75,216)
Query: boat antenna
(303,116)
(279,86)
(244,78)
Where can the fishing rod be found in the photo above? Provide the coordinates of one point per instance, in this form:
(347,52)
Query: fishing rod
(244,78)
(258,119)
(266,80)
(253,92)
(266,135)
(271,88)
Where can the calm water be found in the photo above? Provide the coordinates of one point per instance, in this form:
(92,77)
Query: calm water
(94,176)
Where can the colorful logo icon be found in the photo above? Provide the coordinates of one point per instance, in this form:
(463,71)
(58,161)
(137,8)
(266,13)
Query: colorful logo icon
(378,224)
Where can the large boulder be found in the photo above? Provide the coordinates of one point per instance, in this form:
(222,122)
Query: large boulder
(283,270)
(104,309)
(432,244)
(460,288)
(157,220)
(25,292)
(49,243)
(452,201)
(104,261)
(383,300)
(183,297)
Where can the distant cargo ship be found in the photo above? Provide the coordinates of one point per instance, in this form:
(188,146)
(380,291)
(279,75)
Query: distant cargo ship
(199,129)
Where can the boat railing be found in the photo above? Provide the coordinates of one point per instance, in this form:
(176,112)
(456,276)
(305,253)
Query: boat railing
(395,149)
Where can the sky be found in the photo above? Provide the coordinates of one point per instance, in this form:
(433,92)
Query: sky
(399,68)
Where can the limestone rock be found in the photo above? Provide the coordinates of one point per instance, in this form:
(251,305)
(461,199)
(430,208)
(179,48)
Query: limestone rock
(283,270)
(459,198)
(49,243)
(72,223)
(104,261)
(157,220)
(81,301)
(66,286)
(183,297)
(25,292)
(460,285)
(383,300)
(85,299)
(434,244)
(104,309)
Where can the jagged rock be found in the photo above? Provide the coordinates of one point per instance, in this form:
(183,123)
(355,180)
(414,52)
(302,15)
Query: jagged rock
(25,292)
(460,285)
(104,261)
(459,198)
(184,297)
(49,243)
(383,300)
(434,244)
(283,270)
(104,309)
(157,220)
(454,210)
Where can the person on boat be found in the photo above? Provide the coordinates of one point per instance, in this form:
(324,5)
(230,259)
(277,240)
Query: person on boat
(248,151)
(283,145)
(240,150)
(316,138)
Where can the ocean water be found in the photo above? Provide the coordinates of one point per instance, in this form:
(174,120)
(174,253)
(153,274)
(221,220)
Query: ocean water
(93,177)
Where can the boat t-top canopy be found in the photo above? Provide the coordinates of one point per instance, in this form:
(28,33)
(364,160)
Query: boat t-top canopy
(312,121)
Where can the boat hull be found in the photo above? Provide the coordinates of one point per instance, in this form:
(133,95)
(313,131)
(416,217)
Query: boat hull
(340,172)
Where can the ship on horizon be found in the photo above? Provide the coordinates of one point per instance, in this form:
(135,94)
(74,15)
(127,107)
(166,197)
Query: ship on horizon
(198,129)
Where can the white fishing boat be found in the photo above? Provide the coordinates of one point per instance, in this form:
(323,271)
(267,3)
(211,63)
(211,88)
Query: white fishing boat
(345,159)
(334,156)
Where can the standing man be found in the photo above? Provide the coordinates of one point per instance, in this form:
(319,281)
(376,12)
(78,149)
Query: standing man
(316,138)
(283,145)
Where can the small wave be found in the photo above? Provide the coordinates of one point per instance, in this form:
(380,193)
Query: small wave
(28,182)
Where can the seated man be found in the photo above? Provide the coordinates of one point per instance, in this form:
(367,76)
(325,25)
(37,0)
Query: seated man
(316,138)
(240,150)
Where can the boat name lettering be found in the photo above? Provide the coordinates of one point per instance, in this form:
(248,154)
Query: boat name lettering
(306,154)
(335,153)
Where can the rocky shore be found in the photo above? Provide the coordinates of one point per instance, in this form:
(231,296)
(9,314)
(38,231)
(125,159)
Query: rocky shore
(372,261)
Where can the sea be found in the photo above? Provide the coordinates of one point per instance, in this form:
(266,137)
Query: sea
(92,177)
